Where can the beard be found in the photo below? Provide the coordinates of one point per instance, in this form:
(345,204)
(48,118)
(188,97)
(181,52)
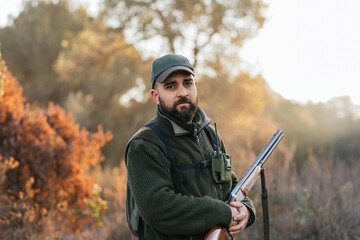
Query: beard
(186,114)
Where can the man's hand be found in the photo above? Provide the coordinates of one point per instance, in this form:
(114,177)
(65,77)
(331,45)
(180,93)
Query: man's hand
(240,217)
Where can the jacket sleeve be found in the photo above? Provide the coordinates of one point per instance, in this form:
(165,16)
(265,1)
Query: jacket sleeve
(150,182)
(250,206)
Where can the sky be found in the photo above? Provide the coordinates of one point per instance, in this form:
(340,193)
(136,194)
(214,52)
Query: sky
(308,50)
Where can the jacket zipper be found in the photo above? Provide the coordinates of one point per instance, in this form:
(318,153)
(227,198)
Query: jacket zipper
(202,151)
(198,140)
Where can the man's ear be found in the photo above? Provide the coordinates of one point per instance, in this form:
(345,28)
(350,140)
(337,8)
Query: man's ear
(154,95)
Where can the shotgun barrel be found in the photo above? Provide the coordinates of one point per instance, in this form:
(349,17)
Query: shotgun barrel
(259,162)
(246,182)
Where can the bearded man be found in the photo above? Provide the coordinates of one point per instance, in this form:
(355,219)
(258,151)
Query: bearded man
(172,193)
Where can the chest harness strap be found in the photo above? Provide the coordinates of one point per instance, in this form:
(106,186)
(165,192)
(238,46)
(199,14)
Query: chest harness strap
(176,168)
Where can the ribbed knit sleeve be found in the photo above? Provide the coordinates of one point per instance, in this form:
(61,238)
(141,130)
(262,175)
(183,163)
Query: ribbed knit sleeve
(149,178)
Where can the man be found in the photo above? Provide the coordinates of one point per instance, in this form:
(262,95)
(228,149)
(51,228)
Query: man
(172,191)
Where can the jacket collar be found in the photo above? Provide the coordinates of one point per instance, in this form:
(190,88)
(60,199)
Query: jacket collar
(200,121)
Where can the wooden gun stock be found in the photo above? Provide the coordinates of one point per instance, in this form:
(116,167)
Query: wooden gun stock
(246,182)
(218,233)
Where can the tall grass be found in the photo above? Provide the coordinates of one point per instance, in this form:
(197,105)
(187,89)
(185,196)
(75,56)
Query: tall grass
(319,201)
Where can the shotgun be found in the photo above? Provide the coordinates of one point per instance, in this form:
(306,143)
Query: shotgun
(246,182)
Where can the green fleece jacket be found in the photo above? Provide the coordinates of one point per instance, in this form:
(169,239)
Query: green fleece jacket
(173,209)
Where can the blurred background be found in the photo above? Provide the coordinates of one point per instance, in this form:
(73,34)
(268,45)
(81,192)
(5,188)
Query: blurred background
(74,87)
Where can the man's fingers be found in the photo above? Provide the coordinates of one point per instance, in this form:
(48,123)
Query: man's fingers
(239,226)
(234,213)
(242,211)
(237,204)
(235,230)
(240,216)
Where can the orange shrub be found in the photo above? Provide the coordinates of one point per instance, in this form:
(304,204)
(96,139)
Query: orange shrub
(54,155)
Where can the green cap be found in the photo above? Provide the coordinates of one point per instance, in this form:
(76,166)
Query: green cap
(162,67)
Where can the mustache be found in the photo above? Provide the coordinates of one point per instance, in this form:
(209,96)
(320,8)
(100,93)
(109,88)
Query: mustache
(182,100)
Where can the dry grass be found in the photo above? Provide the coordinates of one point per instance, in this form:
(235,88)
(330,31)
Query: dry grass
(321,201)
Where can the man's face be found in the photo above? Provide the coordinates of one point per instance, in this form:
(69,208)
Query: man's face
(177,95)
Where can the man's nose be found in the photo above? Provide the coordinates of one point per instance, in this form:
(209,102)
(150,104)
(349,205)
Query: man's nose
(182,91)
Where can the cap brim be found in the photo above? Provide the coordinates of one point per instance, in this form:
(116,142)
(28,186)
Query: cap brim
(162,77)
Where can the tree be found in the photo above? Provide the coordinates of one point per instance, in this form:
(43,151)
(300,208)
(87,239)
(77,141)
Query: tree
(101,67)
(198,29)
(327,130)
(32,43)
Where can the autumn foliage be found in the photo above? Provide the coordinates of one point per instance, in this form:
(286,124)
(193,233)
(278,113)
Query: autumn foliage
(45,160)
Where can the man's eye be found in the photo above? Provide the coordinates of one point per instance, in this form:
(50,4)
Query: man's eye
(169,86)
